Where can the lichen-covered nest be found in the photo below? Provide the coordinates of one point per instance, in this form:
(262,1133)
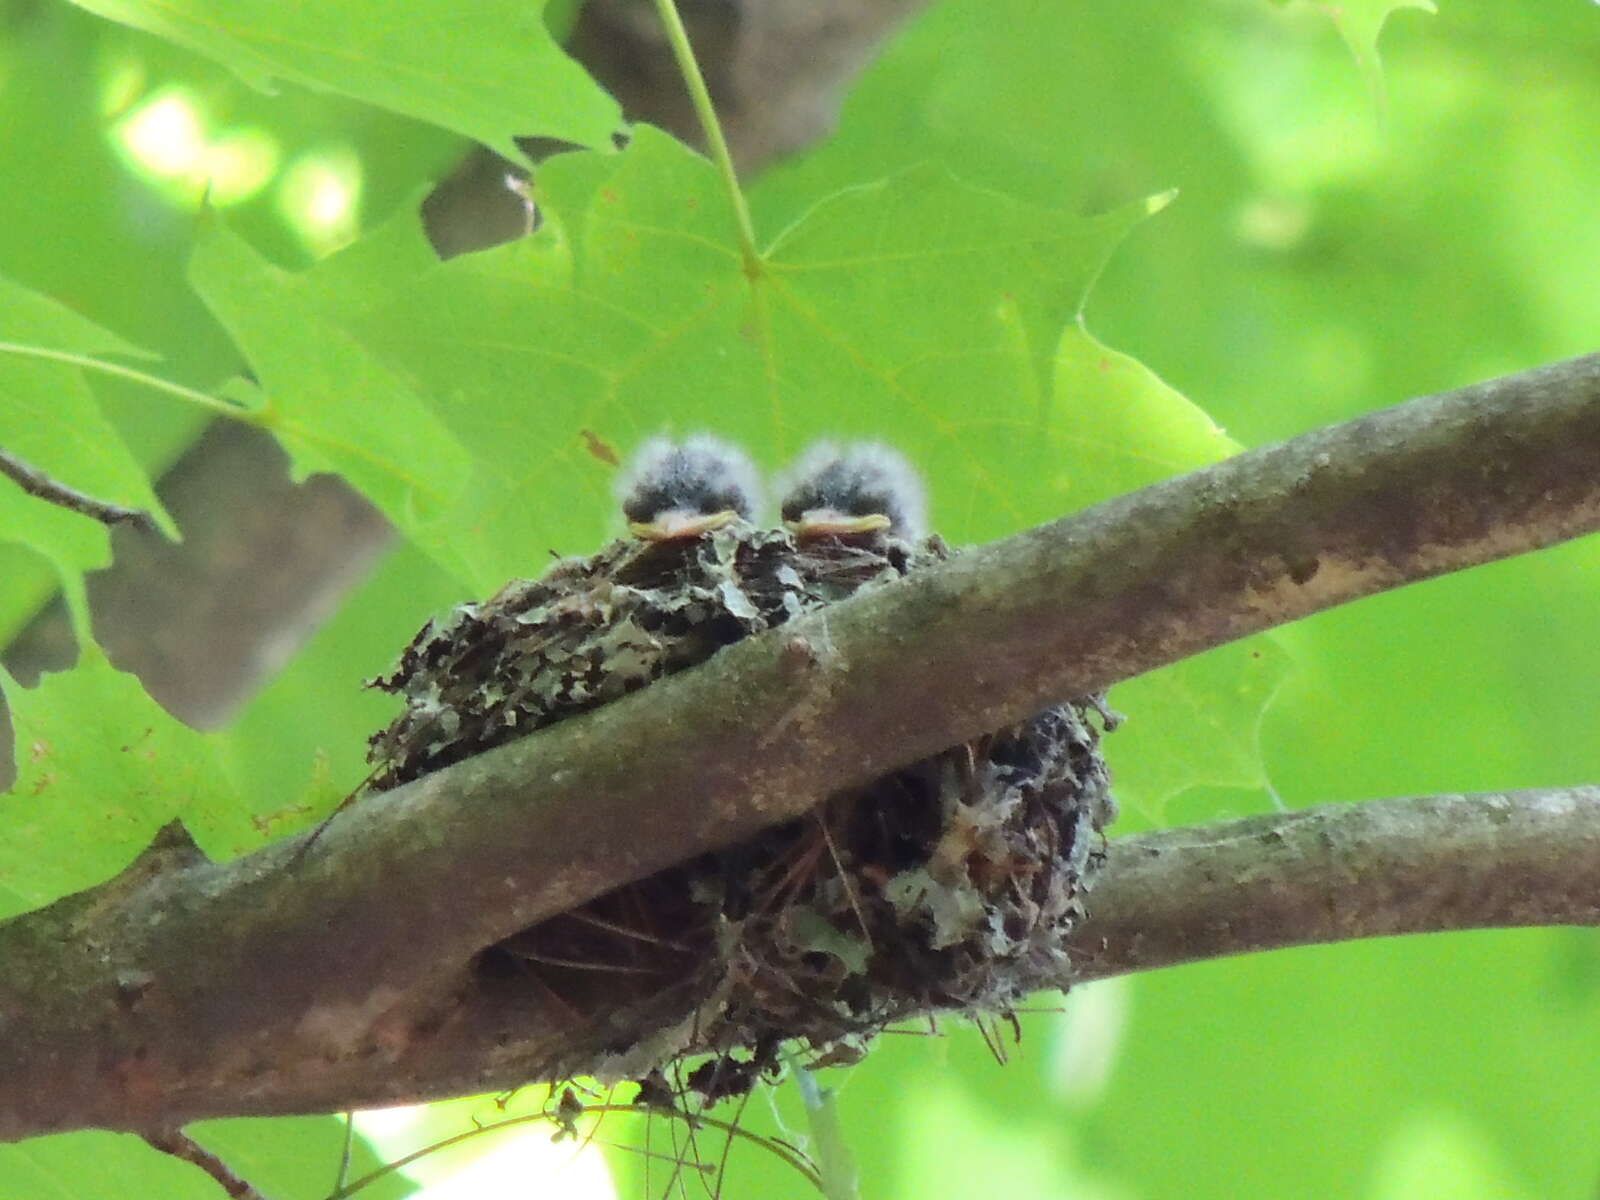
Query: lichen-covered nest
(948,885)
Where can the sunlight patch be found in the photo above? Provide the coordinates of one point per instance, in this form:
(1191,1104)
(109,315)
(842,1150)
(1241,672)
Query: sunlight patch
(165,141)
(524,1163)
(320,197)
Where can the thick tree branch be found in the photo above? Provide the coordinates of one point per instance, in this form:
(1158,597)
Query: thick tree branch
(343,978)
(1340,872)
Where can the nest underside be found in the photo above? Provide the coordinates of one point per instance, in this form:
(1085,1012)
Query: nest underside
(951,884)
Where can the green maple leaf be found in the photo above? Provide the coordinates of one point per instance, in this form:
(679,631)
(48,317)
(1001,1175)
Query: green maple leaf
(101,768)
(332,404)
(489,70)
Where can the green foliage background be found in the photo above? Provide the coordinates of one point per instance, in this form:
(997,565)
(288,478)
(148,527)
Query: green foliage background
(1343,237)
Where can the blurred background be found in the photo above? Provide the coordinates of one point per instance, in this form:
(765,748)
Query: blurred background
(1345,236)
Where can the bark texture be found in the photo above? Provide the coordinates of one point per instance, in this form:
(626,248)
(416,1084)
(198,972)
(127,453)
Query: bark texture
(1337,872)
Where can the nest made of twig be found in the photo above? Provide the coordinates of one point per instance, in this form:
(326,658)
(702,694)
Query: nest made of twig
(950,884)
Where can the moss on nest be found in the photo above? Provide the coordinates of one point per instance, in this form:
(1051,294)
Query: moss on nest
(948,885)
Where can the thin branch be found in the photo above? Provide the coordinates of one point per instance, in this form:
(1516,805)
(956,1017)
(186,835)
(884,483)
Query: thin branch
(348,981)
(180,1145)
(36,483)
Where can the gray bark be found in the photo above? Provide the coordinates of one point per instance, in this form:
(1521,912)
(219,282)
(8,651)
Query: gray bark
(1329,874)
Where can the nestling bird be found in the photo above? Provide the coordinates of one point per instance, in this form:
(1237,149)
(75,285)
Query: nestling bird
(852,490)
(675,490)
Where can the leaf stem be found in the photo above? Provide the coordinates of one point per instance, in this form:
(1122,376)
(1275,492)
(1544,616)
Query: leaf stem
(700,96)
(200,399)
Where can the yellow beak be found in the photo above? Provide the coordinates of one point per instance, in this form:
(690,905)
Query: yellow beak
(820,522)
(677,524)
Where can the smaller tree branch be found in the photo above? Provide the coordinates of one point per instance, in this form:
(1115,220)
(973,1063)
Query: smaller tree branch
(180,1145)
(36,483)
(1342,871)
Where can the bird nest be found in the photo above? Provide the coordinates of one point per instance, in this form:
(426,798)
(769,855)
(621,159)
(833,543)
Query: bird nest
(950,884)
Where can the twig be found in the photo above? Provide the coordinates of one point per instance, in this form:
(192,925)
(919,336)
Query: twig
(36,483)
(180,1145)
